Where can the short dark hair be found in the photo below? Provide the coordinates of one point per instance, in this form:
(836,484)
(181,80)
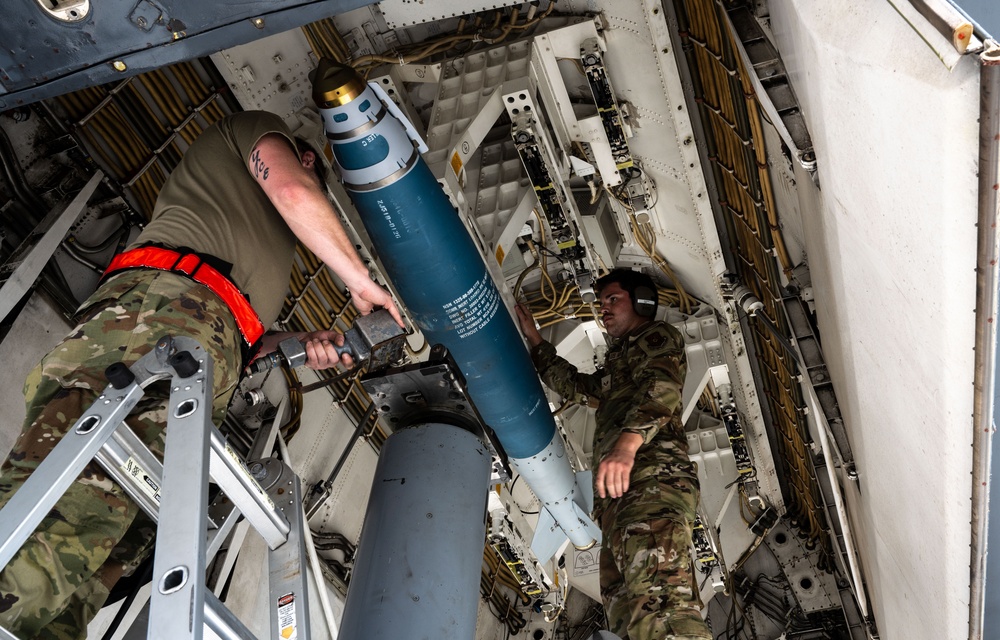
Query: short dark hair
(629,281)
(302,145)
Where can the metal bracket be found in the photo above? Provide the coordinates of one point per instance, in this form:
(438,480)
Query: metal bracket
(432,391)
(146,13)
(397,113)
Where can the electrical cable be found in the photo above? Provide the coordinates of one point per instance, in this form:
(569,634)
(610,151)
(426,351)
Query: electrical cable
(496,573)
(511,491)
(423,50)
(736,150)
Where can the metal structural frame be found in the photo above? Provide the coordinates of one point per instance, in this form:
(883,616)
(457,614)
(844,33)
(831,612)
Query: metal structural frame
(522,80)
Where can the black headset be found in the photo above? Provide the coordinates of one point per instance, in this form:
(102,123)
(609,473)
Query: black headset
(643,301)
(643,296)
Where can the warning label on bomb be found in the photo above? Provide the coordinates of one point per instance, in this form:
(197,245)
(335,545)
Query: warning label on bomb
(388,219)
(474,309)
(586,562)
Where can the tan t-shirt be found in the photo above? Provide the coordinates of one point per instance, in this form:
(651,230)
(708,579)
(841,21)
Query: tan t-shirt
(211,203)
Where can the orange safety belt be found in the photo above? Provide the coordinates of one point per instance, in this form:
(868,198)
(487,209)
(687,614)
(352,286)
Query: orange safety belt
(193,266)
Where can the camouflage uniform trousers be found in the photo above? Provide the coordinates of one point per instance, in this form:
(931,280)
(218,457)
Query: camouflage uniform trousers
(647,578)
(96,534)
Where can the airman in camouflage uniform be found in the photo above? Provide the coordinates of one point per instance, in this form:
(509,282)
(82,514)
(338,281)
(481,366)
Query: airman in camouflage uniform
(240,198)
(646,487)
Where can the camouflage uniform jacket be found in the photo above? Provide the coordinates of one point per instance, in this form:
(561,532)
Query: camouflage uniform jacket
(638,390)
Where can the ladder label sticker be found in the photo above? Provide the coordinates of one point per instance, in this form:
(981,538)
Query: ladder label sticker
(286,617)
(142,479)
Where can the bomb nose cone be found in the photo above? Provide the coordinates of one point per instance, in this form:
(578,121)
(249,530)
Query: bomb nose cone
(336,84)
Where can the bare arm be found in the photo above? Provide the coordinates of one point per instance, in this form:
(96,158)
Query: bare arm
(296,194)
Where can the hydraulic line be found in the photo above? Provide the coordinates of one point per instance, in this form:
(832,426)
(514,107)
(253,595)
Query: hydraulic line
(313,310)
(73,104)
(116,236)
(160,132)
(313,294)
(123,149)
(73,252)
(176,109)
(110,125)
(340,44)
(321,491)
(144,126)
(128,134)
(188,85)
(102,97)
(302,298)
(422,50)
(307,308)
(323,279)
(192,85)
(325,40)
(151,84)
(308,30)
(201,92)
(324,44)
(496,573)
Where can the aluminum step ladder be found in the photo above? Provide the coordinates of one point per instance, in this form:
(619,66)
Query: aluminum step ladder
(175,495)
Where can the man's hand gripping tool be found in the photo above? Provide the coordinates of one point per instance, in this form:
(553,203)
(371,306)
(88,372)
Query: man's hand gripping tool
(375,337)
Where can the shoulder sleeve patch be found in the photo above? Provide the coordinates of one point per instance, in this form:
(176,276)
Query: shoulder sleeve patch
(659,340)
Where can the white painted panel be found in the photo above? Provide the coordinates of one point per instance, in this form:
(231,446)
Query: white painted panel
(663,141)
(891,240)
(324,432)
(270,73)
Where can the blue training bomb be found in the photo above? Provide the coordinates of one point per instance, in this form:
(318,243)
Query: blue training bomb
(445,285)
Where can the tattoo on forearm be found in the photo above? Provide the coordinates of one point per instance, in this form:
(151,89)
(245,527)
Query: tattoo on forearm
(260,169)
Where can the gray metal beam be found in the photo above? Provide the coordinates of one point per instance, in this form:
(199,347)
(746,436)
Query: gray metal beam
(46,239)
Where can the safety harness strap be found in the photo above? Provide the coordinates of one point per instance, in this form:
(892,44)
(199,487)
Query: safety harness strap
(196,267)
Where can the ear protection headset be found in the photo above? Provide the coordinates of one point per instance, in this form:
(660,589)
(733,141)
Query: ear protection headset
(643,301)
